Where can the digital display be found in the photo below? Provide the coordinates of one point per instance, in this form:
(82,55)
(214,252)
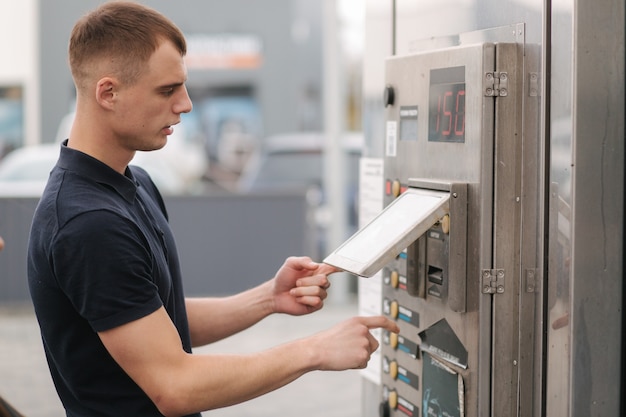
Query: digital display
(446,105)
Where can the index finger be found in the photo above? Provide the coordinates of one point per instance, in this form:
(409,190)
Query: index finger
(375,322)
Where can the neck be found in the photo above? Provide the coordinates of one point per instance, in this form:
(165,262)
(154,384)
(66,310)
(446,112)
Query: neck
(98,142)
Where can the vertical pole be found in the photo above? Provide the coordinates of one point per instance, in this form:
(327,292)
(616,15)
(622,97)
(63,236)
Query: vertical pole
(334,177)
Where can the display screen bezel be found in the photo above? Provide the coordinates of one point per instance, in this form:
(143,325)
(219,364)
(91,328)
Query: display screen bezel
(396,227)
(446,105)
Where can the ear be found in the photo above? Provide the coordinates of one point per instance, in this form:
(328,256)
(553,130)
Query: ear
(106,92)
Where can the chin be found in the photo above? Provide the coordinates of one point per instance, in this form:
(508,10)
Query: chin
(160,146)
(155,146)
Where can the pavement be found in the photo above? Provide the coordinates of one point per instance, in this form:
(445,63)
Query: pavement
(26,384)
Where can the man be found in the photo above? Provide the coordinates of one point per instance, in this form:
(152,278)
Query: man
(103,269)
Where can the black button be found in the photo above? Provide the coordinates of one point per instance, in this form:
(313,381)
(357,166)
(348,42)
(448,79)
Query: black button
(389,97)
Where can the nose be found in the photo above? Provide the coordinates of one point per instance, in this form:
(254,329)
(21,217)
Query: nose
(183,104)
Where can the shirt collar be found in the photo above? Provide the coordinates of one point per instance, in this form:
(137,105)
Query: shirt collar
(95,170)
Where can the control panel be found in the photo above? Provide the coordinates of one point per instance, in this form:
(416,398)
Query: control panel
(448,235)
(451,119)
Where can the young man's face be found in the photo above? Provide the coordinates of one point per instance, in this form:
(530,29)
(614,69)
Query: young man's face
(147,110)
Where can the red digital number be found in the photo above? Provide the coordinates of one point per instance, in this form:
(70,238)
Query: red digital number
(447,113)
(460,114)
(452,110)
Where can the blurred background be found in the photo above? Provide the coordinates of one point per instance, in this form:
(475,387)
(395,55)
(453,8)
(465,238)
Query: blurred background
(275,134)
(265,166)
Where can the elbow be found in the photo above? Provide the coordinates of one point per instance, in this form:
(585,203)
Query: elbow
(171,403)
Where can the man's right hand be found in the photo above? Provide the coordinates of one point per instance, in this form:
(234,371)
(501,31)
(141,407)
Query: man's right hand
(349,345)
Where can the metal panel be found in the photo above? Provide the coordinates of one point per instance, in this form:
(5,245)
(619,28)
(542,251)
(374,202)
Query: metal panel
(502,137)
(533,169)
(596,262)
(572,290)
(507,229)
(470,161)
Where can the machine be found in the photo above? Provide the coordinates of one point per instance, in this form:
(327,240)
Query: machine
(499,251)
(453,150)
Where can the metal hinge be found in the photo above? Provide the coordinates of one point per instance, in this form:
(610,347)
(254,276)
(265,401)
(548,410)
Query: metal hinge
(531,280)
(533,84)
(493,281)
(496,84)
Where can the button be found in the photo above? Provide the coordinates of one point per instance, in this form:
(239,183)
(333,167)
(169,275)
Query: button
(395,279)
(393,369)
(389,96)
(396,188)
(393,340)
(394,309)
(445,224)
(393,399)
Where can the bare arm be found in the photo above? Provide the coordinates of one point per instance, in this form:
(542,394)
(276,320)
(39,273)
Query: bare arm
(299,287)
(149,350)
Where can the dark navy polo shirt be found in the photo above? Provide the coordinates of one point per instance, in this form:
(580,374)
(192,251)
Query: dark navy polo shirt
(101,254)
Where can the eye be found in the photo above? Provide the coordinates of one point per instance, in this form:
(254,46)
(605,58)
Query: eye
(168,92)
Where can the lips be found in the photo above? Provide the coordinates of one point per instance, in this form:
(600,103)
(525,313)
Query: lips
(168,130)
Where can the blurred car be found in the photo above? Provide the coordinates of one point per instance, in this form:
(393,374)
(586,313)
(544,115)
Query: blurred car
(296,162)
(24,171)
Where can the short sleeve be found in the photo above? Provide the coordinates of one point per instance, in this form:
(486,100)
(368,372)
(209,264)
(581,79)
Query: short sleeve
(104,266)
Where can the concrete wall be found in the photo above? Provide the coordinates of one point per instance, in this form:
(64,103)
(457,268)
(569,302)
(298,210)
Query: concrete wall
(226,243)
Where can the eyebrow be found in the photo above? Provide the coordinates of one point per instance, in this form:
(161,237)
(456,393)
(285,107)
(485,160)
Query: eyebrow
(168,86)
